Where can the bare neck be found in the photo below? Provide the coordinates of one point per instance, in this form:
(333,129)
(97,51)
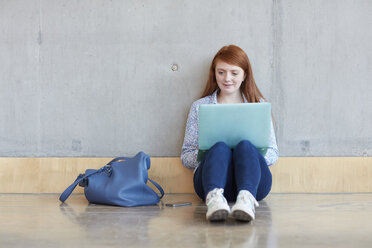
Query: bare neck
(232,98)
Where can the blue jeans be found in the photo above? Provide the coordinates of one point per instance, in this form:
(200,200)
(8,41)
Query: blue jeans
(243,168)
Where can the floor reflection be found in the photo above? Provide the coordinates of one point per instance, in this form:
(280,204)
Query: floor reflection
(257,233)
(111,225)
(187,226)
(282,220)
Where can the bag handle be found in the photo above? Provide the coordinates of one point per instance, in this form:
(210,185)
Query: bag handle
(80,178)
(158,187)
(117,159)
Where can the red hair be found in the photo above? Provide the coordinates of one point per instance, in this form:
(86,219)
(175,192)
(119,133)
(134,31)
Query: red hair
(234,55)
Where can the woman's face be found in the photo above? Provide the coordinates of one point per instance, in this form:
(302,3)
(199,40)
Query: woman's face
(229,77)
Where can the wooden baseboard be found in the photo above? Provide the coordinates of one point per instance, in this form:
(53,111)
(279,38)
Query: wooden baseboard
(290,174)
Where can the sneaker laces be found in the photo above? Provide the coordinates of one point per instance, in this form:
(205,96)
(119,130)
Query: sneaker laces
(215,196)
(245,197)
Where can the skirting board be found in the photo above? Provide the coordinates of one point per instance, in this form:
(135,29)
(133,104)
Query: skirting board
(290,174)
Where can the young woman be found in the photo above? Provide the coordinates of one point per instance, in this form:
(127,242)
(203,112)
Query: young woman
(241,174)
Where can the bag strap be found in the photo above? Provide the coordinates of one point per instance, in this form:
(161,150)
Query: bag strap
(80,178)
(158,186)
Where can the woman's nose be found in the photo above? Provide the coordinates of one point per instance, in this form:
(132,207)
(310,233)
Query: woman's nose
(227,77)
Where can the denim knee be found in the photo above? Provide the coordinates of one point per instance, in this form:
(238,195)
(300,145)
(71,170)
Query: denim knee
(220,146)
(219,151)
(245,145)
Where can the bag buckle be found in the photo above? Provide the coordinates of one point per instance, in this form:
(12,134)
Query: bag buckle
(108,169)
(83,182)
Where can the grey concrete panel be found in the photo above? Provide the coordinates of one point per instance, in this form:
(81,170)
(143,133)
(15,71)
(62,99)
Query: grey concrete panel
(94,78)
(324,78)
(103,80)
(20,96)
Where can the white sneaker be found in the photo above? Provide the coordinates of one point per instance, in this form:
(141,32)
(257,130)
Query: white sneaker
(218,209)
(243,209)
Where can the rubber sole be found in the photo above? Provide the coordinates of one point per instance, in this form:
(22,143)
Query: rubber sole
(219,215)
(241,216)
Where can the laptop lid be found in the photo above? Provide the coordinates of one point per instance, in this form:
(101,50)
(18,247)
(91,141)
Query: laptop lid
(232,123)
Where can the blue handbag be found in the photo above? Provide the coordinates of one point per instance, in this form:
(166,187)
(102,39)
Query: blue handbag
(121,182)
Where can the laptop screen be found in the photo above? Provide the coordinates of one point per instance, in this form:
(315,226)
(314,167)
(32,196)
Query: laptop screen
(232,123)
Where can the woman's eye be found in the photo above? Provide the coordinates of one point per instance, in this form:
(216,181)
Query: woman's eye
(220,72)
(235,73)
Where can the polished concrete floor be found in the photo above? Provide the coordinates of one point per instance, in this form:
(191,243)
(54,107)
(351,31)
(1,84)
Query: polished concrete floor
(282,220)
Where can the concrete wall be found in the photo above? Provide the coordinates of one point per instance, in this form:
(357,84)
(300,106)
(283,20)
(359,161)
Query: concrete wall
(94,77)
